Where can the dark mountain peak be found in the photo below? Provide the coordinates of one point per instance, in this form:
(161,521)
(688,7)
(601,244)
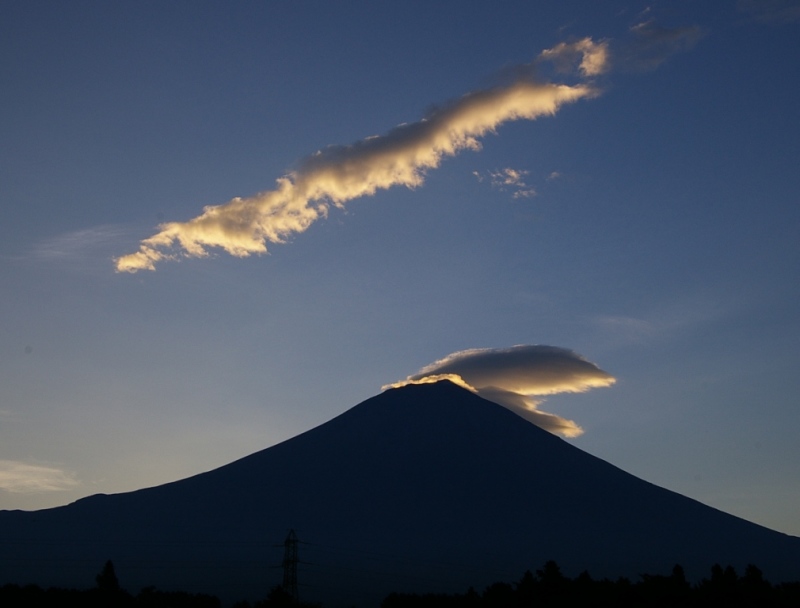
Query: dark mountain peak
(440,402)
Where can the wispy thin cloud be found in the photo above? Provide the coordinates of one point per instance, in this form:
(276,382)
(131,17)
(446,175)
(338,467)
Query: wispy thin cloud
(772,11)
(668,320)
(626,330)
(517,378)
(509,179)
(77,244)
(652,44)
(333,176)
(19,477)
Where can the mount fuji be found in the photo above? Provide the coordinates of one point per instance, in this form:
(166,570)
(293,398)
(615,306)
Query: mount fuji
(424,488)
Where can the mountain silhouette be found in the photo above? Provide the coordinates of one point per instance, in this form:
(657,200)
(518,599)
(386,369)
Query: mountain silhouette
(424,488)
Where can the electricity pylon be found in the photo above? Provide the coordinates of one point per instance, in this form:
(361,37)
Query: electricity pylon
(290,566)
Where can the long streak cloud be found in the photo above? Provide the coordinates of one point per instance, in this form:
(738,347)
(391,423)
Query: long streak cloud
(517,378)
(338,174)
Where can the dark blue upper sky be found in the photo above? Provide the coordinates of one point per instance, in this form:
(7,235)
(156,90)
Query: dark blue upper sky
(654,228)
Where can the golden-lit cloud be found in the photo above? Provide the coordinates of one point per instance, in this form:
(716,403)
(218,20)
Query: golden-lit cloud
(338,174)
(517,377)
(19,477)
(591,58)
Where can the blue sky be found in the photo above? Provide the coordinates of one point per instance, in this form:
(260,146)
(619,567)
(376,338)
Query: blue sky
(653,228)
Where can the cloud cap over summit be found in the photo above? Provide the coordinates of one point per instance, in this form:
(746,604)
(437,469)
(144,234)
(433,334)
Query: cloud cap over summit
(514,377)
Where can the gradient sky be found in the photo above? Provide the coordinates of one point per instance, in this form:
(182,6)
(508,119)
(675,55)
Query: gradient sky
(653,228)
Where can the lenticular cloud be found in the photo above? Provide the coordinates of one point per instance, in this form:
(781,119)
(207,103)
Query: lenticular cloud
(335,175)
(517,377)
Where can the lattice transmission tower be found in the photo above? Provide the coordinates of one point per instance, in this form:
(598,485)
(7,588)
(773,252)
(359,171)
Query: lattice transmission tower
(290,566)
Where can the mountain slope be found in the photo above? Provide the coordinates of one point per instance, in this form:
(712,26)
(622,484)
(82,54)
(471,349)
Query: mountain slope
(425,488)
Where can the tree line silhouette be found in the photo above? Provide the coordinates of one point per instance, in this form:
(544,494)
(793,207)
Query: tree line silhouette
(106,594)
(547,588)
(550,588)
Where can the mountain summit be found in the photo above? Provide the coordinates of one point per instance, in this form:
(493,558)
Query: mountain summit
(425,488)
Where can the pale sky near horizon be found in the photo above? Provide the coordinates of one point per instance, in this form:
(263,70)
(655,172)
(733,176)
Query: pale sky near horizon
(653,227)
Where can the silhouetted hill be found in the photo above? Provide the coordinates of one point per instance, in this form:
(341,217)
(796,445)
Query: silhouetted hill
(425,488)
